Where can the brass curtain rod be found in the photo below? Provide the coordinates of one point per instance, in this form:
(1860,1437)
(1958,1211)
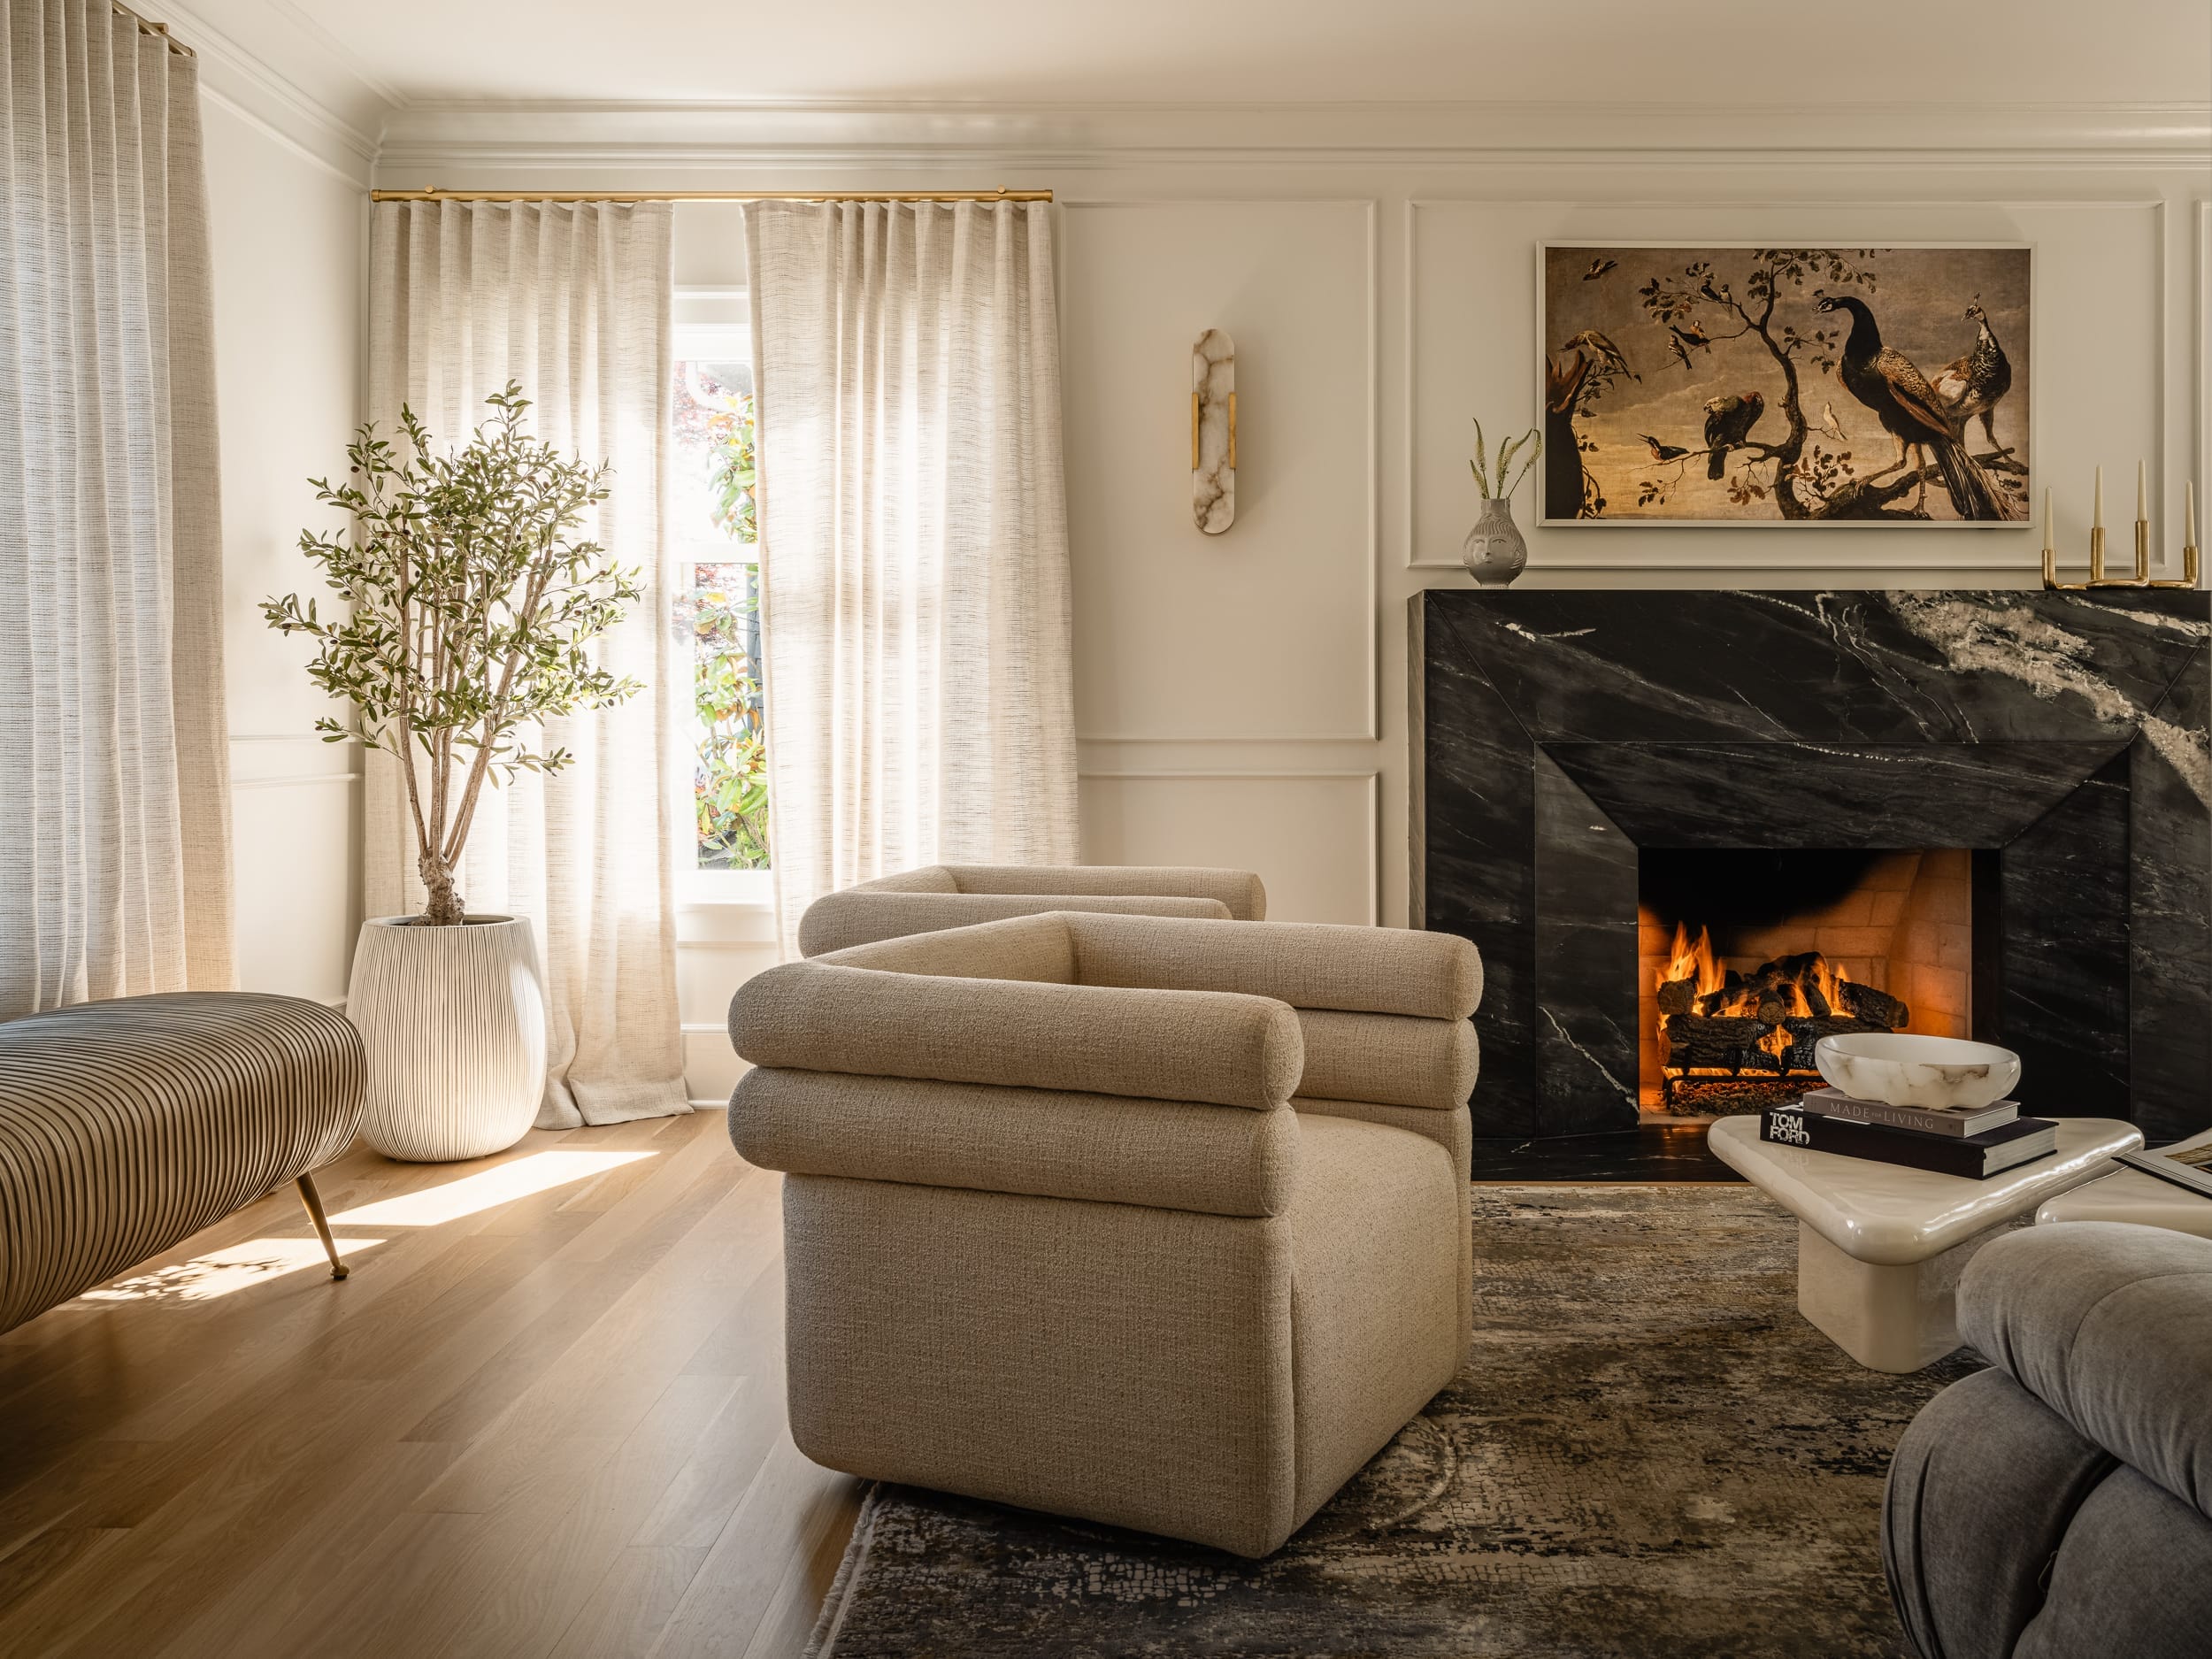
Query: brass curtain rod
(436,194)
(147,26)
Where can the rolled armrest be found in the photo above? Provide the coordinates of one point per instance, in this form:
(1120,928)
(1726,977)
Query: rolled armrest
(1239,889)
(1210,1047)
(1307,964)
(858,916)
(2110,1326)
(1167,1154)
(1387,1058)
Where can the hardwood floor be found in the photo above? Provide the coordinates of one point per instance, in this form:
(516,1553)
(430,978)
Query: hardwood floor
(543,1417)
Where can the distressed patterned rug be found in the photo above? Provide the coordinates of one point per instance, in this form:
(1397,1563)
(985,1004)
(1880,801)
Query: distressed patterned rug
(1649,1453)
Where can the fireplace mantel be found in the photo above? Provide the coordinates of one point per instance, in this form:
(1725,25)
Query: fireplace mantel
(1555,732)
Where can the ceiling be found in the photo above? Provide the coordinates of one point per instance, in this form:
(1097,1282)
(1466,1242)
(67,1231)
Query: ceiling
(1756,53)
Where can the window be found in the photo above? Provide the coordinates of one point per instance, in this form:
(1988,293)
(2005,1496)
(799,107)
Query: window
(718,577)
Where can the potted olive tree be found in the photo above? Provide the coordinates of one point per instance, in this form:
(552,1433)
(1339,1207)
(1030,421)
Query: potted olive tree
(470,603)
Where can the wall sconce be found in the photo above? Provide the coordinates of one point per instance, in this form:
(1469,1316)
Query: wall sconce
(1213,431)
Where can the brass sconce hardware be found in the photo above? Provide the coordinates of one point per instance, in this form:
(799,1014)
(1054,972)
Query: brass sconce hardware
(1194,432)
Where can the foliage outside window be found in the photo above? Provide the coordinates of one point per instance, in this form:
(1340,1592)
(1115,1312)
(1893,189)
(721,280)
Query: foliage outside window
(715,533)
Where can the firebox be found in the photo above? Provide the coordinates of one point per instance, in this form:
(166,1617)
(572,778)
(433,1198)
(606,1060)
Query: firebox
(1747,957)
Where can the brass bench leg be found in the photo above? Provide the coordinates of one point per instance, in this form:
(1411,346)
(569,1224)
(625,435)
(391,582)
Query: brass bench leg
(313,1200)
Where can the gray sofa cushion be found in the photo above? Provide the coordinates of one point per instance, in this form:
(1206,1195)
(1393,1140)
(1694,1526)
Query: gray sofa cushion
(2133,1578)
(1982,1449)
(2110,1326)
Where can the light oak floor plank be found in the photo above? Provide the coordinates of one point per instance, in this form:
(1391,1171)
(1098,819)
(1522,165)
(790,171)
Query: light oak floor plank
(549,1426)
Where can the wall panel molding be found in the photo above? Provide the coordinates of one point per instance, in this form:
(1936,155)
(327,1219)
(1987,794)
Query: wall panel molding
(1369,718)
(290,780)
(1364,782)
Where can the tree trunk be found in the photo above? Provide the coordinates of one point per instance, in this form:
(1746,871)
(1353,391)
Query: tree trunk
(444,908)
(1563,482)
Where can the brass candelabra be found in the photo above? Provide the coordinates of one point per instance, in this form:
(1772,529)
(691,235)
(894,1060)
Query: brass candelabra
(2142,577)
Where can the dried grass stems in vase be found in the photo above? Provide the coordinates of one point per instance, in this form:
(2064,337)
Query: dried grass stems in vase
(1494,550)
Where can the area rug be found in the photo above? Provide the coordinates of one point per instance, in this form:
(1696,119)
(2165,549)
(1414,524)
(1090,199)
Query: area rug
(1648,1452)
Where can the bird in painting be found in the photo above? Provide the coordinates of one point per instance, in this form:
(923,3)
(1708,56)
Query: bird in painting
(1977,381)
(1604,351)
(1885,381)
(1728,422)
(1830,425)
(1663,451)
(1681,341)
(1598,268)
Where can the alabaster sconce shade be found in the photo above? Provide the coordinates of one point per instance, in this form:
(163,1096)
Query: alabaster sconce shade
(1213,431)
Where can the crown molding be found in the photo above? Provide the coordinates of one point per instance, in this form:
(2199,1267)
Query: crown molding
(679,136)
(341,140)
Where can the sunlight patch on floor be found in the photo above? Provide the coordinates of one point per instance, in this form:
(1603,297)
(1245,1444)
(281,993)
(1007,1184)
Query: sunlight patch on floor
(219,1273)
(537,1173)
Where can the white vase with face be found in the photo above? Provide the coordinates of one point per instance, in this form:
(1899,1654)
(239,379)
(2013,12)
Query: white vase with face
(453,1019)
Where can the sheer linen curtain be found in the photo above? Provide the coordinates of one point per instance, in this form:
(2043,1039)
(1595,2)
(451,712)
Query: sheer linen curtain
(113,752)
(913,537)
(575,301)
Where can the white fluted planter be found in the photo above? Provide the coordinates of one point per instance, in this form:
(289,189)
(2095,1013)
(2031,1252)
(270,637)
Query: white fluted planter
(454,1022)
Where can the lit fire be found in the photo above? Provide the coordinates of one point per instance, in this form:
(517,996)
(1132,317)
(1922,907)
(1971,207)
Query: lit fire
(1693,958)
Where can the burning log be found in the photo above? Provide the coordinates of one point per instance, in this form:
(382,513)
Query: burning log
(1676,995)
(1800,974)
(1720,1043)
(1803,1034)
(1884,1011)
(1731,992)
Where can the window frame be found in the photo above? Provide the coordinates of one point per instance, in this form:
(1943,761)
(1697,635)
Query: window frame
(716,336)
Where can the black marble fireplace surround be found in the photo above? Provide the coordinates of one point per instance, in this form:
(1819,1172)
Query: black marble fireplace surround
(2062,736)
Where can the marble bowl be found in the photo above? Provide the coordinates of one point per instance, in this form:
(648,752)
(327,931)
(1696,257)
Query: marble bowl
(1901,1070)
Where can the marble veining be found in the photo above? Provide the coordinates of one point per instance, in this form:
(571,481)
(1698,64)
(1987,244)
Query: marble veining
(2052,663)
(2066,738)
(1213,476)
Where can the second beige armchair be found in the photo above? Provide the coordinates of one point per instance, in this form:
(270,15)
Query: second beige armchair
(1152,1221)
(959,895)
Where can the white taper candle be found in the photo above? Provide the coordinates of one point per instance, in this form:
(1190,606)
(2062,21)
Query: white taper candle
(2050,538)
(2142,492)
(2189,511)
(2096,519)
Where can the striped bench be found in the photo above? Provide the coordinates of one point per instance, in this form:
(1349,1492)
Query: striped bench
(127,1126)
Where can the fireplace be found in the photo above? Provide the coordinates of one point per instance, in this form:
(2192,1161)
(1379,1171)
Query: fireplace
(1964,813)
(1747,957)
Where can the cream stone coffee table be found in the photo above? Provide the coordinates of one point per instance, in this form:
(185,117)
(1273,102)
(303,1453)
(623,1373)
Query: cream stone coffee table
(1879,1247)
(2131,1195)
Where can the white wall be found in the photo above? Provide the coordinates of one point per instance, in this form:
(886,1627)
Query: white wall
(287,238)
(1241,698)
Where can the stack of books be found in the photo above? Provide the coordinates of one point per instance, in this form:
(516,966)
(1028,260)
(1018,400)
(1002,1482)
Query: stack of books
(1978,1141)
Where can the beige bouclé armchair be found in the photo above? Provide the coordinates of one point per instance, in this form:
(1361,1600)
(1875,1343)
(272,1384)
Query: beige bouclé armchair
(1151,1221)
(959,895)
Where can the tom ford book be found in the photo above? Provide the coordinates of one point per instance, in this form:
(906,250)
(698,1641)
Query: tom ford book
(1976,1156)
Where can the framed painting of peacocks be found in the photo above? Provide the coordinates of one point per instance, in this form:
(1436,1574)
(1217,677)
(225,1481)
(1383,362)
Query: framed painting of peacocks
(1732,385)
